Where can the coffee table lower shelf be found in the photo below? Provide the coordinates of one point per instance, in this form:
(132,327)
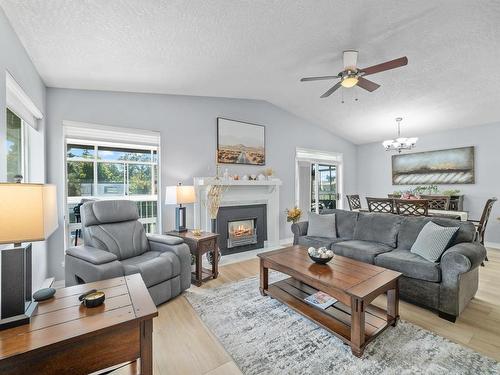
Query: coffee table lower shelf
(337,318)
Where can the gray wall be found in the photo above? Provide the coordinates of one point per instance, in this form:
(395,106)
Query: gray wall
(14,59)
(188,140)
(374,169)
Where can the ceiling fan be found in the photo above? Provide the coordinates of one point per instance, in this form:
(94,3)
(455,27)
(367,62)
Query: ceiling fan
(353,76)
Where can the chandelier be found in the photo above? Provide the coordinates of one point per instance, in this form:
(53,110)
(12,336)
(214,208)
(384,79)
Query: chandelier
(400,143)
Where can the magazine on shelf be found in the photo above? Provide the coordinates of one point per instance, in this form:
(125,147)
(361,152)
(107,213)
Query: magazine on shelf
(321,300)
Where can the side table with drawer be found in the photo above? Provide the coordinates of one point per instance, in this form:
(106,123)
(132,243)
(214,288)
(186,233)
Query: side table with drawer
(199,245)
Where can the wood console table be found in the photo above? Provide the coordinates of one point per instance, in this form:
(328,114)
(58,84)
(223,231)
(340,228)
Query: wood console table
(63,337)
(199,245)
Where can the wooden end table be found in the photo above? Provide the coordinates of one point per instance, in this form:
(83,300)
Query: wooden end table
(199,245)
(354,284)
(63,337)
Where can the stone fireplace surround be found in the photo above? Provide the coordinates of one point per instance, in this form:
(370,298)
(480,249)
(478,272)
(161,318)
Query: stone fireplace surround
(240,193)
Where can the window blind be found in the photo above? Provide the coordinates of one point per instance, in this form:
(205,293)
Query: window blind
(20,103)
(93,132)
(316,156)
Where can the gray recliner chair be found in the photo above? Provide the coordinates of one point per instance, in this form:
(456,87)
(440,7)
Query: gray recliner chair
(115,244)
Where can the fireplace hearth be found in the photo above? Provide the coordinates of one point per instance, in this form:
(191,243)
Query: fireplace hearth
(241,228)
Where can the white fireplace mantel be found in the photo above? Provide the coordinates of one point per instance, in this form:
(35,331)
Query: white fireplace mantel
(240,192)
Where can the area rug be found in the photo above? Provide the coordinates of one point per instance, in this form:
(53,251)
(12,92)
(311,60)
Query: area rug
(264,336)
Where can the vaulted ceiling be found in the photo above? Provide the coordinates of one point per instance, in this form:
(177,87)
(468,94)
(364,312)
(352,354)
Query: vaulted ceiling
(260,49)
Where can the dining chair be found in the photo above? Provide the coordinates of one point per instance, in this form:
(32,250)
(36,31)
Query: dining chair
(385,205)
(481,224)
(354,202)
(412,207)
(437,202)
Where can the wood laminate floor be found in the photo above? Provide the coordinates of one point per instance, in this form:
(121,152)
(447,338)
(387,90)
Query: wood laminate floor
(183,345)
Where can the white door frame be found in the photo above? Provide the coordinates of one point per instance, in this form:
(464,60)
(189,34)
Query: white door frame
(320,157)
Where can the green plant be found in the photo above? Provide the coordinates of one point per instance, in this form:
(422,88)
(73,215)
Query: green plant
(450,192)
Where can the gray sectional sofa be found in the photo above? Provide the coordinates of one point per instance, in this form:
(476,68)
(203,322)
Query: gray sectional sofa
(386,239)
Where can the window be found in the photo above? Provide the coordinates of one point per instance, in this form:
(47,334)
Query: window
(101,170)
(324,184)
(15,147)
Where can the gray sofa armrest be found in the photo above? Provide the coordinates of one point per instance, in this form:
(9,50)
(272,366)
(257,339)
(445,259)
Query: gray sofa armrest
(91,254)
(463,257)
(299,229)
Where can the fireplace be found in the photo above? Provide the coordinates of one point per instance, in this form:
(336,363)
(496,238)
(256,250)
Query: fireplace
(241,228)
(241,232)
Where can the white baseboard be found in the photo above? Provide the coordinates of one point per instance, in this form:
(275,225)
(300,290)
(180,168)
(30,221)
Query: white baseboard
(492,245)
(286,241)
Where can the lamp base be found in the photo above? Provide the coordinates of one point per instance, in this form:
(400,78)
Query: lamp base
(18,320)
(180,219)
(17,305)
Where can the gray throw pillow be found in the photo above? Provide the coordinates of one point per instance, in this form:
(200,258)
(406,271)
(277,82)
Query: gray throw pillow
(433,240)
(322,225)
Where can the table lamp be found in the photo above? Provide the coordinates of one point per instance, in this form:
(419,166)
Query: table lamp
(28,212)
(180,194)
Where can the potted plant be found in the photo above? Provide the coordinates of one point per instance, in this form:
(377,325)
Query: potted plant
(293,214)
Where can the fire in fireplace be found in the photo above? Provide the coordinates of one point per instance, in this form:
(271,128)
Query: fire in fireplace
(241,232)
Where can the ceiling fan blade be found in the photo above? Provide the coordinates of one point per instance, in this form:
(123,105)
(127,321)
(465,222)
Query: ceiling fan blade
(350,59)
(367,84)
(317,78)
(330,92)
(393,64)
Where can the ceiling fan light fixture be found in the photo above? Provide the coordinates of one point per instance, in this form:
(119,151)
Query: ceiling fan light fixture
(349,82)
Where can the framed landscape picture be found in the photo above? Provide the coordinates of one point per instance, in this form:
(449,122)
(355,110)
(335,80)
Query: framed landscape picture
(240,142)
(452,166)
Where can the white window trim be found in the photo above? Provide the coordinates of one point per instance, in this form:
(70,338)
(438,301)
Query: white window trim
(92,134)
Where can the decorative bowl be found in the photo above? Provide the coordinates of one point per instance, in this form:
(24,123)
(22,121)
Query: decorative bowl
(321,255)
(320,260)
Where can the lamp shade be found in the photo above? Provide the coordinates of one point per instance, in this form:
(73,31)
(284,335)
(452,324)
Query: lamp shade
(28,212)
(180,194)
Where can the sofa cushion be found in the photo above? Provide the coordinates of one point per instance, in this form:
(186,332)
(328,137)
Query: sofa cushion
(345,222)
(378,227)
(154,267)
(321,225)
(317,242)
(411,227)
(410,265)
(433,240)
(364,251)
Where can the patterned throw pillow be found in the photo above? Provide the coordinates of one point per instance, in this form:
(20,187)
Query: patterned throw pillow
(433,240)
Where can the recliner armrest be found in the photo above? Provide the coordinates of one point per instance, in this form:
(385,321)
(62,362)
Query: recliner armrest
(165,239)
(463,257)
(91,254)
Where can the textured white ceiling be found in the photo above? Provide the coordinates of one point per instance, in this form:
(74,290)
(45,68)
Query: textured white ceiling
(261,48)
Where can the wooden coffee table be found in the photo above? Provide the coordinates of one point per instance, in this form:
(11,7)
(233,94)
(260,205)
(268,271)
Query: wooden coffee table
(354,284)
